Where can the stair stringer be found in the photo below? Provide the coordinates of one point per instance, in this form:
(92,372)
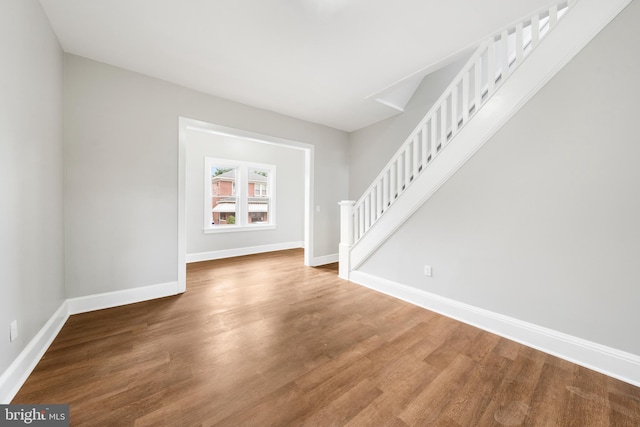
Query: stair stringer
(586,19)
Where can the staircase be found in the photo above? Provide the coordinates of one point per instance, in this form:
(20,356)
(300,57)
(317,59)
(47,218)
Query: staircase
(505,71)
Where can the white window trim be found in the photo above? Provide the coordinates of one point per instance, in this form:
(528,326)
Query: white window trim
(242,190)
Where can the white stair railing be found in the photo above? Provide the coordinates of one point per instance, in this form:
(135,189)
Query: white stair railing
(488,68)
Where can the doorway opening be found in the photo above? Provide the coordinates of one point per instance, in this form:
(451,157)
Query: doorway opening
(186,128)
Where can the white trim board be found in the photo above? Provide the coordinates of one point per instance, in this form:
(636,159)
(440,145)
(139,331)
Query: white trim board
(229,253)
(251,250)
(17,373)
(606,360)
(323,260)
(119,298)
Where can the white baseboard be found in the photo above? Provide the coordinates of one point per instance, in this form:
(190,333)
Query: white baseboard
(123,297)
(14,377)
(609,361)
(17,373)
(323,260)
(251,250)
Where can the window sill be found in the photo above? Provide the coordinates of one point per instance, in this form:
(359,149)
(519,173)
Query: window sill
(238,228)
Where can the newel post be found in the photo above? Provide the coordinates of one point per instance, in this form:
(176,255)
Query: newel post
(346,237)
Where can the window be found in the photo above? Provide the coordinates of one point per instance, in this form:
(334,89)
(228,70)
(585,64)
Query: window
(238,195)
(260,189)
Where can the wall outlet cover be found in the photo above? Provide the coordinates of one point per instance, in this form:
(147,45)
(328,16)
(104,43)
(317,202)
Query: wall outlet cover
(13,330)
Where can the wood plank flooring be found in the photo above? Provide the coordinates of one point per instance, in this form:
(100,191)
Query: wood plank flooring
(264,341)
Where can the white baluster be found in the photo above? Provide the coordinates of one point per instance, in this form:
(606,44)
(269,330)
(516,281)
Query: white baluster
(379,190)
(519,43)
(491,66)
(367,212)
(372,206)
(407,165)
(385,191)
(393,181)
(434,136)
(504,52)
(443,123)
(553,16)
(361,223)
(478,82)
(535,31)
(415,157)
(424,145)
(454,110)
(465,97)
(356,224)
(400,178)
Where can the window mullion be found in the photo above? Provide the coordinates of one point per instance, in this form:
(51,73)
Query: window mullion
(271,193)
(242,190)
(208,194)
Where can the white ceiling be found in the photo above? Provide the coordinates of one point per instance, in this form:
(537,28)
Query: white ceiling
(318,60)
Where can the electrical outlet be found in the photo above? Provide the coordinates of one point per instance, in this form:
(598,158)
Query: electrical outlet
(427,271)
(13,330)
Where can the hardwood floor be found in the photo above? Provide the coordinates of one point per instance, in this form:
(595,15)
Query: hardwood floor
(262,340)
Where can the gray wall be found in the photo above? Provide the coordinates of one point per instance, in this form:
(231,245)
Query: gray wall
(370,148)
(121,158)
(31,238)
(543,224)
(289,164)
